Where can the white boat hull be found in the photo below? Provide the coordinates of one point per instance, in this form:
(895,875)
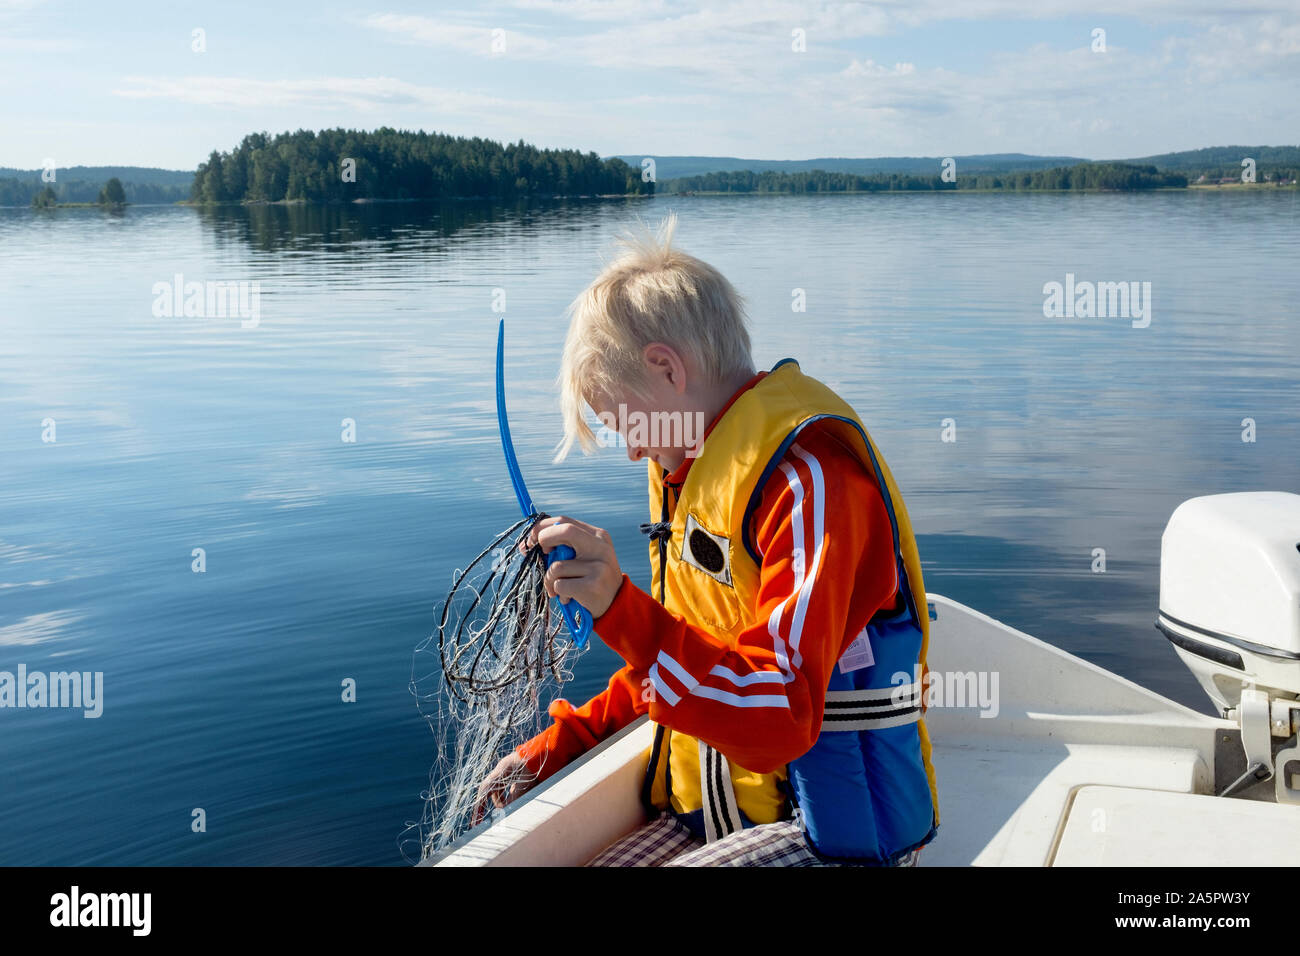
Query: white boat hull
(1071,765)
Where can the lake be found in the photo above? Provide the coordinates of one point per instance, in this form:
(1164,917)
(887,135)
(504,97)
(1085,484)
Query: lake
(130,437)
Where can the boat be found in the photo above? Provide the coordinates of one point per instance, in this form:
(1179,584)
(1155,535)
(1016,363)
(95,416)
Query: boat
(1064,763)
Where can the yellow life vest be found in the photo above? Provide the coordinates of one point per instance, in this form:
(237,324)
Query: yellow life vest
(710,516)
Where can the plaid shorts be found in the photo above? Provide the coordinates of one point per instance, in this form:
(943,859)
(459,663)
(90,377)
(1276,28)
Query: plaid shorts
(667,842)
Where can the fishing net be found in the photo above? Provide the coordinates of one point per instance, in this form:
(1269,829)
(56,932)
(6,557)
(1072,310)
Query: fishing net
(484,679)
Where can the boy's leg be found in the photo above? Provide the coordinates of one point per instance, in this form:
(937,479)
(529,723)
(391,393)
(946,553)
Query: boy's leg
(768,844)
(653,844)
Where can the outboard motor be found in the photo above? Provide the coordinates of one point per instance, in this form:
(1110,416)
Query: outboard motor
(1230,605)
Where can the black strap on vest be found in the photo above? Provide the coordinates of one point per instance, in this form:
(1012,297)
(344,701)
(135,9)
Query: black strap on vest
(651,811)
(661,531)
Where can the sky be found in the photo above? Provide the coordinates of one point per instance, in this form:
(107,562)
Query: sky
(133,83)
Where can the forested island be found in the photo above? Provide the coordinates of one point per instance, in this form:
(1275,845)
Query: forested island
(341,165)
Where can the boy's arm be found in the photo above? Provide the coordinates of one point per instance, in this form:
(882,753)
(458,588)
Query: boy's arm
(575,730)
(827,567)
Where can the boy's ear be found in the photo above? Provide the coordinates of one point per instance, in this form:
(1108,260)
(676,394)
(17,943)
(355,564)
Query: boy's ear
(664,364)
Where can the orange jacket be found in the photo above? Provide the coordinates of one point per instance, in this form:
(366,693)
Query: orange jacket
(857,546)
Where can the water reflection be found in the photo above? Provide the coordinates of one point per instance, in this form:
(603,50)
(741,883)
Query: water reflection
(325,558)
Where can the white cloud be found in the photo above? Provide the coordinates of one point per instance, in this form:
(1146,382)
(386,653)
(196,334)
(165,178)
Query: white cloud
(597,9)
(1246,48)
(476,39)
(745,47)
(18,34)
(558,123)
(675,77)
(871,68)
(364,93)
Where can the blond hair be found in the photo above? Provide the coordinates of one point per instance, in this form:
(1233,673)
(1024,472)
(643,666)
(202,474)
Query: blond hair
(651,293)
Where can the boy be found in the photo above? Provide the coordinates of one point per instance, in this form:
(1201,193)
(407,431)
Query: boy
(780,654)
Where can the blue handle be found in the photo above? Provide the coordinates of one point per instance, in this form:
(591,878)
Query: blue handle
(577,616)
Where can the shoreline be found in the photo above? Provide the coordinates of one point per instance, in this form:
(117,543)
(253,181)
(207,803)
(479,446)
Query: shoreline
(1199,187)
(988,191)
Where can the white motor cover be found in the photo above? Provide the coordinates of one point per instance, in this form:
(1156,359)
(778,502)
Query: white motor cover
(1230,565)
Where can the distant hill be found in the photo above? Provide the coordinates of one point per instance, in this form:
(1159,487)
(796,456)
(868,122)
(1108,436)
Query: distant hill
(137,174)
(1210,160)
(1089,176)
(672,167)
(1223,157)
(142,184)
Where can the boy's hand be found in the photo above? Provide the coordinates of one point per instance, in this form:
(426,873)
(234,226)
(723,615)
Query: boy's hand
(592,577)
(508,780)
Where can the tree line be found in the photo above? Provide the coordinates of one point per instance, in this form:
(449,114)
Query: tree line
(32,191)
(1117,176)
(1233,171)
(339,165)
(111,195)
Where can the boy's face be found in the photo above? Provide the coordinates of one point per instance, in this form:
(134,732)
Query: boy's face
(660,428)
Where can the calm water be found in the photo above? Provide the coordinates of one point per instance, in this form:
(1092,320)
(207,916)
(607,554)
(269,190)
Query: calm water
(325,558)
